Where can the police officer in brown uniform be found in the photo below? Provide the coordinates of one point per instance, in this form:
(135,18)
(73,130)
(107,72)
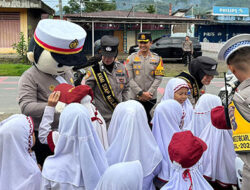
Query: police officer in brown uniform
(145,71)
(108,79)
(236,53)
(187,47)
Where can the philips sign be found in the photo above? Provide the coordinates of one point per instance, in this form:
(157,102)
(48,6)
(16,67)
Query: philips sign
(230,11)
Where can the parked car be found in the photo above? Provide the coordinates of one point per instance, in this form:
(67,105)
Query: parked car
(170,48)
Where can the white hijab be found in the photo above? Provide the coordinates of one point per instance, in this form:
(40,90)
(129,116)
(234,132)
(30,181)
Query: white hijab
(201,116)
(219,159)
(122,176)
(18,170)
(166,122)
(130,137)
(79,157)
(174,85)
(181,179)
(99,124)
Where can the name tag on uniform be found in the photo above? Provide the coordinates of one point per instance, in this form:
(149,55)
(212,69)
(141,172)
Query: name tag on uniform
(119,74)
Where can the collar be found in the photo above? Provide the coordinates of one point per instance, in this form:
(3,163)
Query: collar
(140,54)
(244,84)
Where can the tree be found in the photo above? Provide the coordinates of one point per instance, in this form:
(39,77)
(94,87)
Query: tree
(74,7)
(21,48)
(99,5)
(151,9)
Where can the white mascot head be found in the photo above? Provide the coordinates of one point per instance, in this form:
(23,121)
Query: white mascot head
(57,46)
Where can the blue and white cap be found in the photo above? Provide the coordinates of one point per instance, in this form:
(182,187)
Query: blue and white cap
(233,44)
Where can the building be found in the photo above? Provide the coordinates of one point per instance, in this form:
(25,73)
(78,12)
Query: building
(19,16)
(225,22)
(125,25)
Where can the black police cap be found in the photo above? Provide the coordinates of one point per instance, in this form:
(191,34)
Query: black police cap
(144,37)
(206,64)
(109,46)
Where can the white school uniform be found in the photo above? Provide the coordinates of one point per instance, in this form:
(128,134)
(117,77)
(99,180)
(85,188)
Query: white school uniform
(79,159)
(47,136)
(122,176)
(18,170)
(166,122)
(219,159)
(174,85)
(201,116)
(183,178)
(130,139)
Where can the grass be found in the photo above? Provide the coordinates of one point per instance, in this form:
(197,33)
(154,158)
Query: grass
(172,70)
(10,69)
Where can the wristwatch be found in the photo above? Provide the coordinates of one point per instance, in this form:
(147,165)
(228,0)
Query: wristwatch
(140,93)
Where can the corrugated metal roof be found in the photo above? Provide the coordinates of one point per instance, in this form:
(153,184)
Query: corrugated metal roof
(130,16)
(29,4)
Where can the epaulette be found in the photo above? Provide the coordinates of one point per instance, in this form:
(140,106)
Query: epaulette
(155,54)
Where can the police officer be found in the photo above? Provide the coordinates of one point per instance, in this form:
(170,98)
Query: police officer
(187,47)
(108,79)
(201,72)
(145,71)
(236,53)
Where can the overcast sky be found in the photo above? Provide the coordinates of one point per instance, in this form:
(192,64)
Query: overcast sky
(54,3)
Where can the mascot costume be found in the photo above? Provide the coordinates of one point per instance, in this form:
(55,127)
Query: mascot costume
(57,48)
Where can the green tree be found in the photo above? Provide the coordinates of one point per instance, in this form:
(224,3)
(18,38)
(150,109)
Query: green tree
(151,9)
(21,48)
(99,5)
(74,7)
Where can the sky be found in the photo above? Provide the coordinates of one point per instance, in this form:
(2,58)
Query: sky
(54,3)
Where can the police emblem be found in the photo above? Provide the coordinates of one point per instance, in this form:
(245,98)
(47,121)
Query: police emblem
(108,48)
(51,88)
(73,44)
(143,37)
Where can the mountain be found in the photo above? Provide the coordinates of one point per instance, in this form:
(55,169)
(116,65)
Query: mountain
(162,6)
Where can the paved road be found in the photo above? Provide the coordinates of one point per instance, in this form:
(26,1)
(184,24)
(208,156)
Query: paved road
(9,101)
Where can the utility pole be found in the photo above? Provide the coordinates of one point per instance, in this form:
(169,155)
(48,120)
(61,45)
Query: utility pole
(81,7)
(60,9)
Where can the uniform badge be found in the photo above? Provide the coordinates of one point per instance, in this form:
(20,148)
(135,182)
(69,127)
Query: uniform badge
(87,75)
(137,59)
(108,48)
(73,44)
(143,37)
(51,88)
(121,80)
(121,86)
(232,118)
(137,72)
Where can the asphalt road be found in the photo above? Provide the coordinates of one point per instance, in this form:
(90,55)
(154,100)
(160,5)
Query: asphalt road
(9,97)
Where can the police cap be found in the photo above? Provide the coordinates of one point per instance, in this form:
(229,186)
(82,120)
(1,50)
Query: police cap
(206,64)
(232,45)
(144,37)
(109,46)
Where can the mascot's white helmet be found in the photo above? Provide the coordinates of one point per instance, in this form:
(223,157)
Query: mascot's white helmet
(58,46)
